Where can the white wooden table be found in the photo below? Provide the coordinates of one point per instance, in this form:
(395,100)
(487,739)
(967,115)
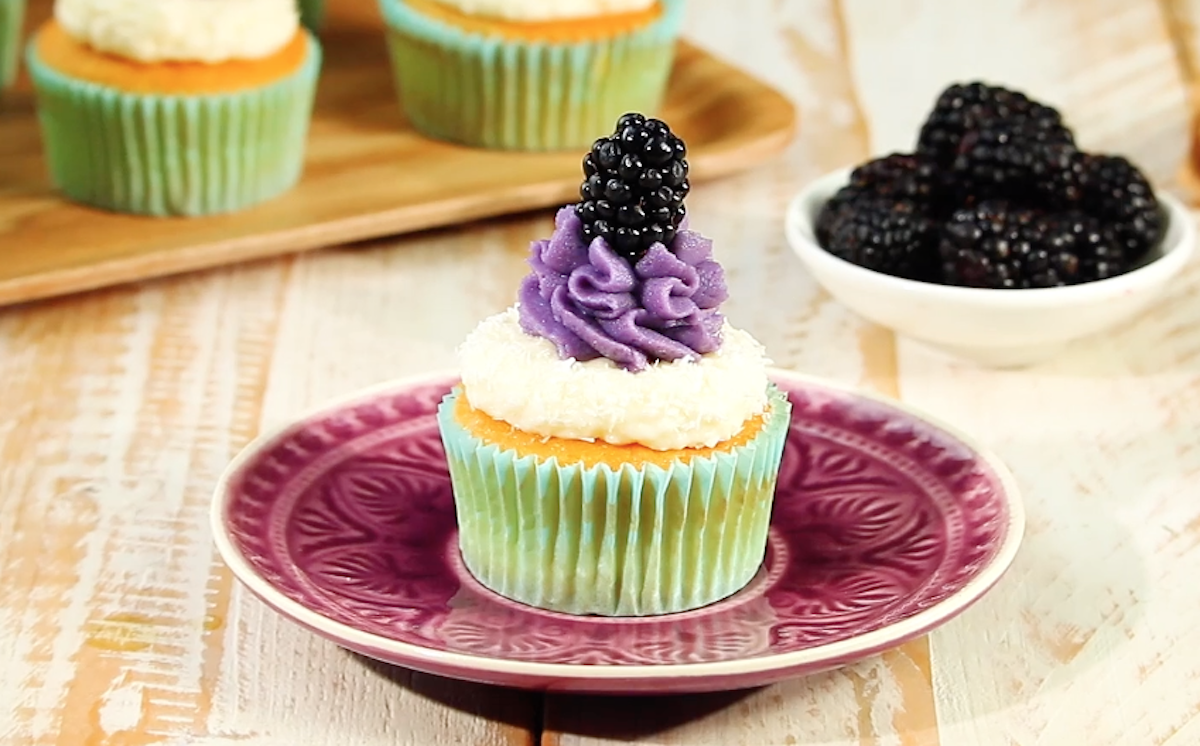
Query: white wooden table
(119,627)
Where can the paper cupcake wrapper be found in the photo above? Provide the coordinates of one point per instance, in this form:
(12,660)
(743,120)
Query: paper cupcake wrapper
(513,95)
(617,542)
(312,14)
(174,155)
(12,20)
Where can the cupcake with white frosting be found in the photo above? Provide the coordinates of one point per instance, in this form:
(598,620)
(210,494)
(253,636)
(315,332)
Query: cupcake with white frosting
(529,74)
(174,107)
(614,443)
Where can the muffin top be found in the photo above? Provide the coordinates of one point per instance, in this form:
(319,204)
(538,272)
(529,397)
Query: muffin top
(546,10)
(208,31)
(617,335)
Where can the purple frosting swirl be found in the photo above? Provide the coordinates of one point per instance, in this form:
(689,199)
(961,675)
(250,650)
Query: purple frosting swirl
(591,303)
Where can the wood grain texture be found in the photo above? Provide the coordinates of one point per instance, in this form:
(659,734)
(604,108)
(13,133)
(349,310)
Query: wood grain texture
(885,699)
(117,623)
(351,318)
(1096,645)
(367,174)
(949,689)
(1183,21)
(1109,65)
(127,405)
(1055,653)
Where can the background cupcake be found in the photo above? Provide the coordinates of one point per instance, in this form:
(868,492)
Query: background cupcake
(187,107)
(529,75)
(12,19)
(614,444)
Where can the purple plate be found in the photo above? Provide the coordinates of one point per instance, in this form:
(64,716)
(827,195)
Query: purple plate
(885,526)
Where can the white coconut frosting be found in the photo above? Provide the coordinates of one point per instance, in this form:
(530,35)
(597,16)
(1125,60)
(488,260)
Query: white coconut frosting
(519,378)
(208,31)
(545,10)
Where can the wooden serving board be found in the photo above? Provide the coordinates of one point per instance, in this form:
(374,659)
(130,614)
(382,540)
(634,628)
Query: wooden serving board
(367,174)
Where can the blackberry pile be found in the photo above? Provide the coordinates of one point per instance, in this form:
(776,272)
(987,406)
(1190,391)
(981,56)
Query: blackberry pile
(1000,245)
(882,219)
(995,195)
(634,187)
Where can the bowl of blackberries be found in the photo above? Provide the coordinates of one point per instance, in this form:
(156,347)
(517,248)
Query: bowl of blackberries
(998,239)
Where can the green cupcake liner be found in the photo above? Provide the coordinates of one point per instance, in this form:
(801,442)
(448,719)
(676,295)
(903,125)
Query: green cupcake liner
(174,155)
(512,95)
(625,542)
(12,23)
(312,14)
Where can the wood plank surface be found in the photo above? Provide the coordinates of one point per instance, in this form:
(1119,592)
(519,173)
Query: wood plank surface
(1183,22)
(118,627)
(949,688)
(1110,66)
(367,173)
(1086,623)
(118,624)
(885,697)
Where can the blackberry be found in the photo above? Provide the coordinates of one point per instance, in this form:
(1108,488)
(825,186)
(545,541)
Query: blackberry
(988,246)
(1117,193)
(963,108)
(903,176)
(885,235)
(998,245)
(898,176)
(1016,162)
(836,209)
(1095,245)
(634,187)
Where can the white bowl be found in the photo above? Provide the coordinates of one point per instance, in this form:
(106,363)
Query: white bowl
(997,328)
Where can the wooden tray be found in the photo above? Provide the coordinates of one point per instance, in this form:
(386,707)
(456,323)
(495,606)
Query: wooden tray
(367,173)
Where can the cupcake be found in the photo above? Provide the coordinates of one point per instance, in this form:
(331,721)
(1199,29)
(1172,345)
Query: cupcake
(528,74)
(174,107)
(614,442)
(12,20)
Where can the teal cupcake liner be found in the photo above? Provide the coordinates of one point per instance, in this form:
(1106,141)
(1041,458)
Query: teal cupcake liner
(617,542)
(12,23)
(312,14)
(504,94)
(174,155)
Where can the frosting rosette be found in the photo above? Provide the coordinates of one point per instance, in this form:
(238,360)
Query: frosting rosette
(592,303)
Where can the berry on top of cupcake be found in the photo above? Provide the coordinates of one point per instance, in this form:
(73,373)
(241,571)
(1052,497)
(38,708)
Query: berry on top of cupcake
(636,181)
(614,443)
(996,195)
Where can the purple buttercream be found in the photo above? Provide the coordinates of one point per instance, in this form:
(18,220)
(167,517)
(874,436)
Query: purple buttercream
(591,303)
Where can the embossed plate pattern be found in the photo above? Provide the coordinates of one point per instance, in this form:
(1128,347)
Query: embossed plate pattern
(885,525)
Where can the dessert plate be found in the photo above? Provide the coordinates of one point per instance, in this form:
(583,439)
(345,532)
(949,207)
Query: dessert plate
(885,526)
